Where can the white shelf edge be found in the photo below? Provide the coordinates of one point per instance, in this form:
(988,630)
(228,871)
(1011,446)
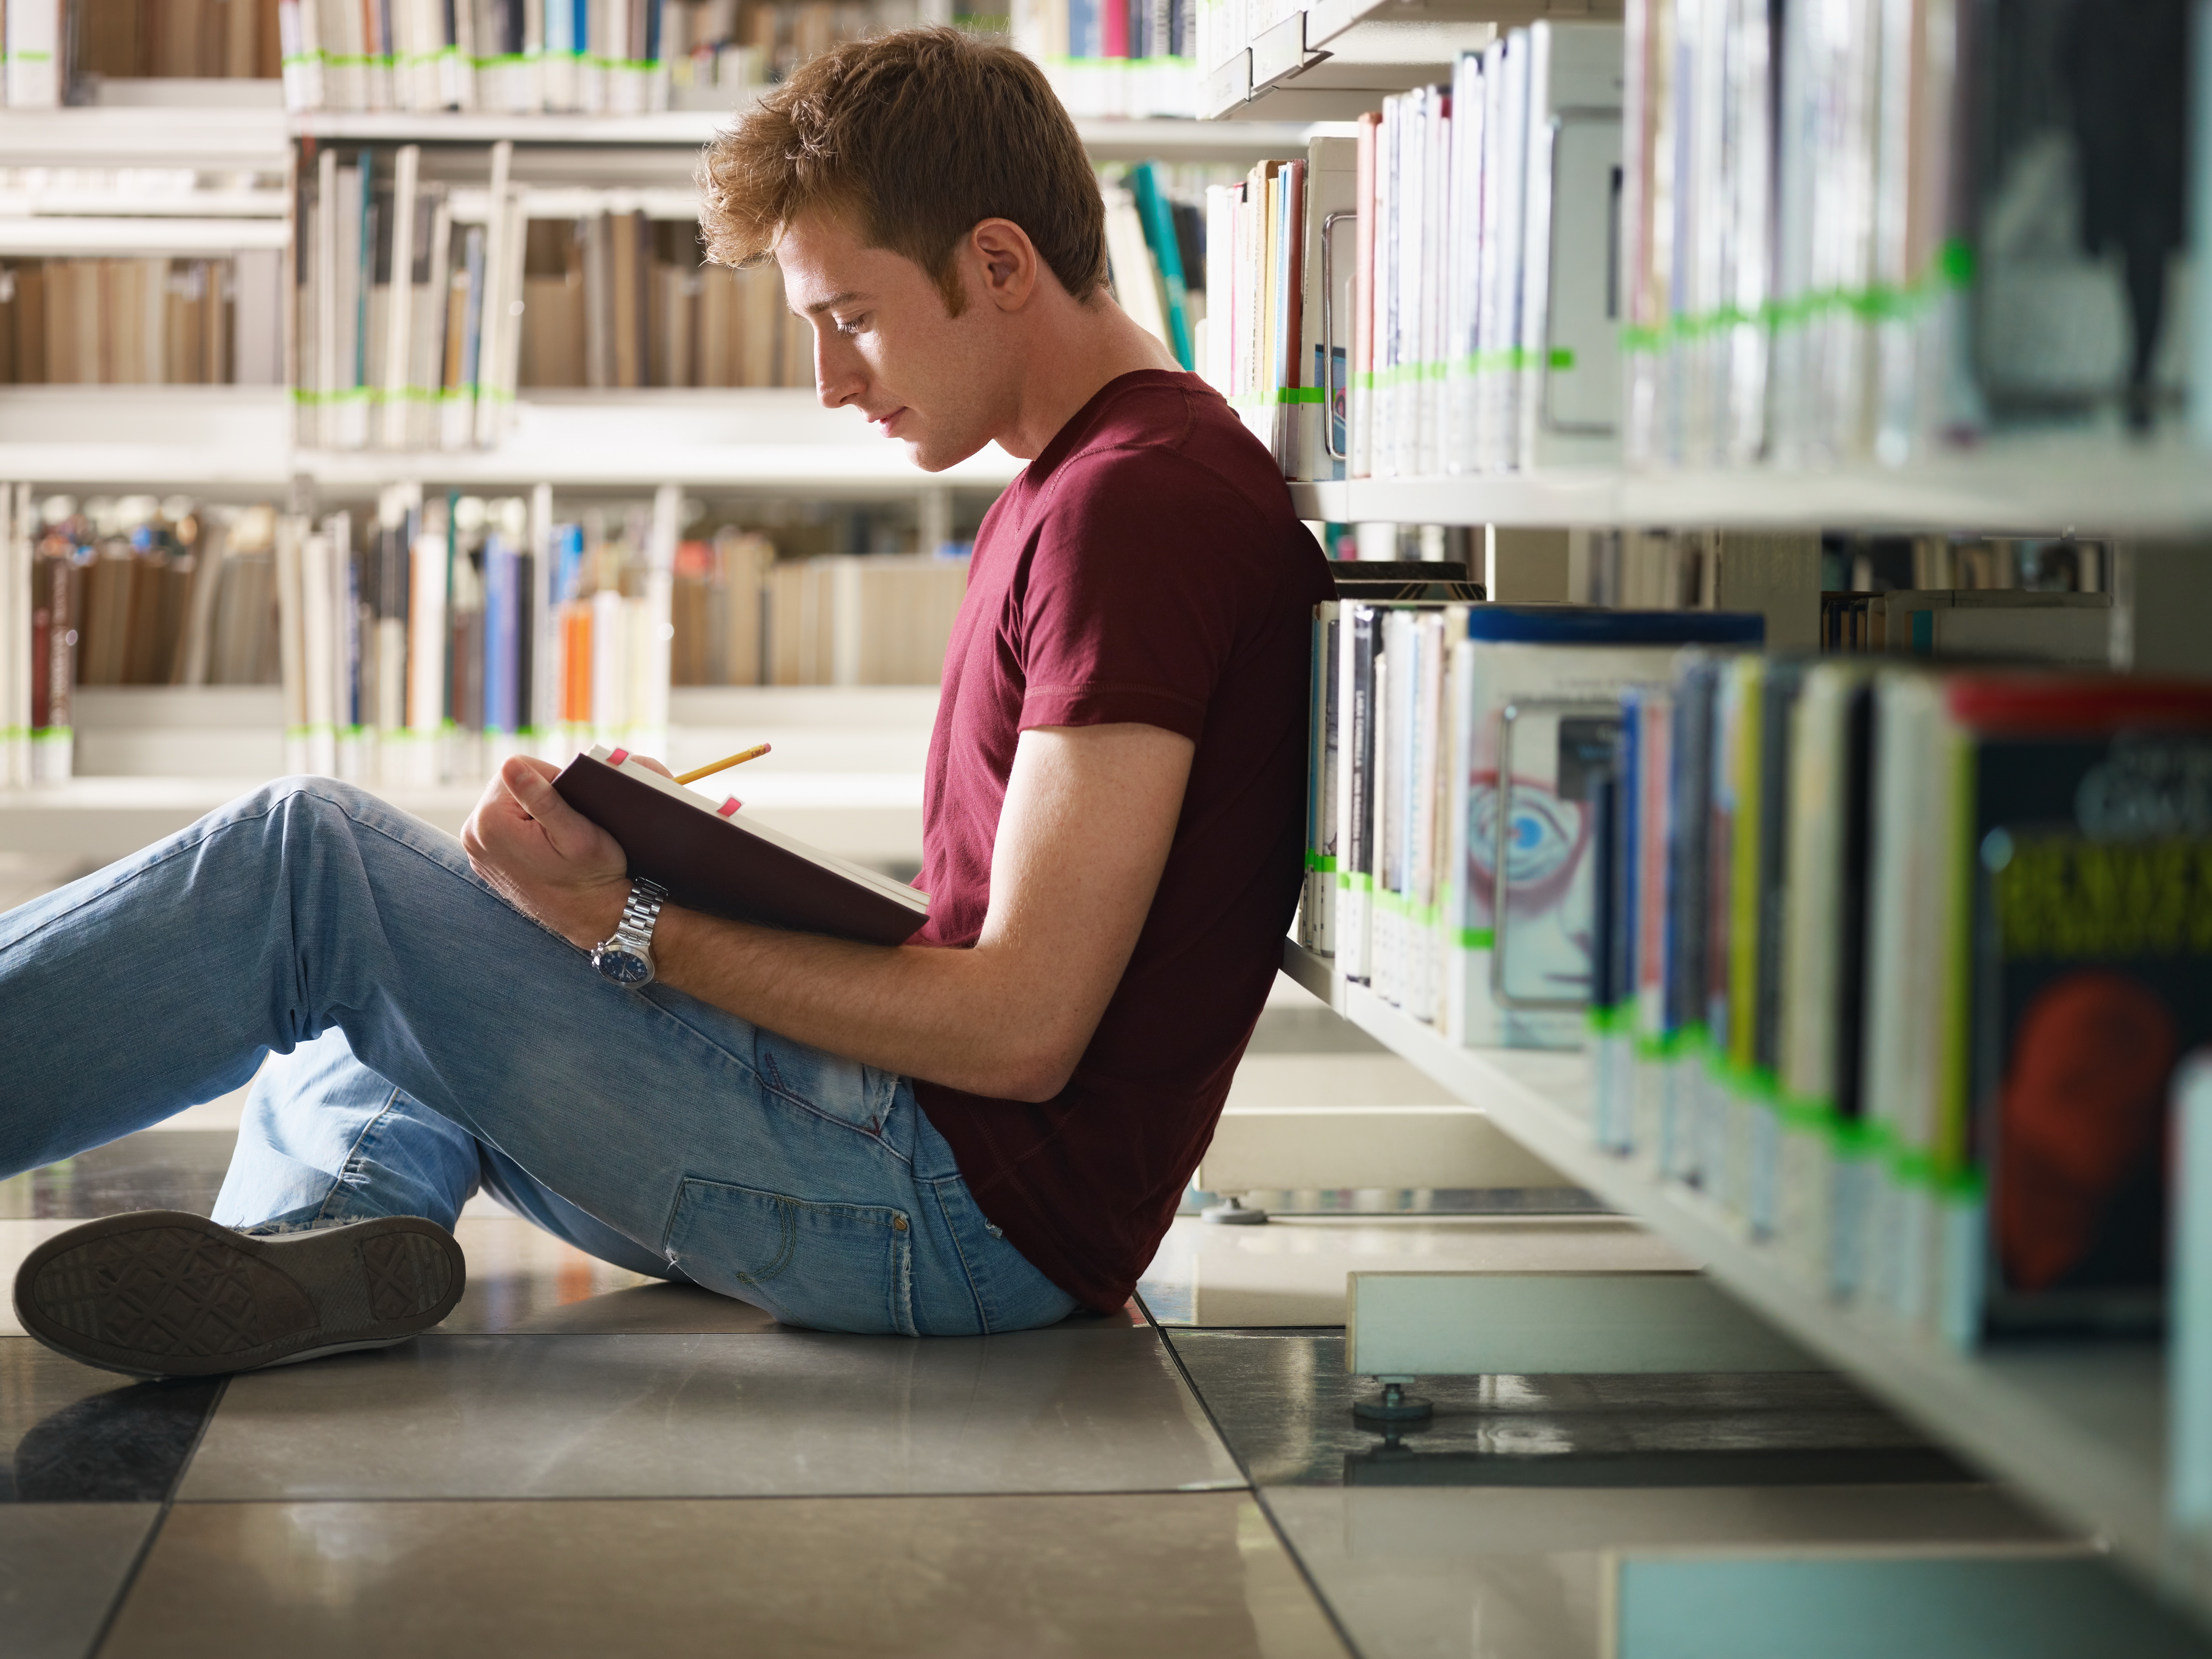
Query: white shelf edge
(186,135)
(238,437)
(42,235)
(2032,486)
(1989,1410)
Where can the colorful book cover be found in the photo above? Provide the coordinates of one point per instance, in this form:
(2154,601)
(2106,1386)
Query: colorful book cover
(2088,842)
(1523,972)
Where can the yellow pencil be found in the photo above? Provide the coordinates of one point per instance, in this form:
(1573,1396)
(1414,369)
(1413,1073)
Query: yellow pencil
(713,766)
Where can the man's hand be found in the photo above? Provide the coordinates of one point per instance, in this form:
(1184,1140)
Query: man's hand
(545,857)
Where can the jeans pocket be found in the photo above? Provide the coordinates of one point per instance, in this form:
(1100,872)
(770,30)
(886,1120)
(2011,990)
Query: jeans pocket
(830,1086)
(825,1267)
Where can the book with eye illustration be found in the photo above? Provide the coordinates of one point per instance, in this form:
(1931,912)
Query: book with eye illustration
(1535,699)
(711,857)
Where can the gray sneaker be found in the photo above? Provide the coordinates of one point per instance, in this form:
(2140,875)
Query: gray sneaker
(161,1293)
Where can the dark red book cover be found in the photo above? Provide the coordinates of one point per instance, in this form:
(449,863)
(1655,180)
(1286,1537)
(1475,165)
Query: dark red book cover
(2091,978)
(716,862)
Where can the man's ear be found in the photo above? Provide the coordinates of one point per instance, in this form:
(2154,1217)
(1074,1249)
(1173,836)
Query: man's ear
(1007,261)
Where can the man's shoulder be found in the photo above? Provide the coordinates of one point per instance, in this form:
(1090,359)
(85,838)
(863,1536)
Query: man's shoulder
(1173,436)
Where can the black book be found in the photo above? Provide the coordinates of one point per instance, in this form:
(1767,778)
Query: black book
(709,859)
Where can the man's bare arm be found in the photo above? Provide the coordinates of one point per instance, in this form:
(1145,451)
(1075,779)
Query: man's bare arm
(1089,816)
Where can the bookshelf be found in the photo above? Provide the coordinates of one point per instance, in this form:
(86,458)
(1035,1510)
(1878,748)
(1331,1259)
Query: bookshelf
(2103,484)
(2080,1429)
(203,168)
(845,775)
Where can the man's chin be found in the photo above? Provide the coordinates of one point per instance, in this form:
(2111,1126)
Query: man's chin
(931,455)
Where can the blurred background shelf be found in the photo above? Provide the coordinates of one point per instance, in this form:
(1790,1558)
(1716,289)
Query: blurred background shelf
(239,437)
(844,773)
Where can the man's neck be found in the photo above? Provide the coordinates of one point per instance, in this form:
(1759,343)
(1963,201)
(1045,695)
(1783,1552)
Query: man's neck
(1075,349)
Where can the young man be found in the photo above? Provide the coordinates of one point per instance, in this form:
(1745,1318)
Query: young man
(979,1132)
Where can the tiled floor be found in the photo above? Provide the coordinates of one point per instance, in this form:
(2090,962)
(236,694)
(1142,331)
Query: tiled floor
(582,1462)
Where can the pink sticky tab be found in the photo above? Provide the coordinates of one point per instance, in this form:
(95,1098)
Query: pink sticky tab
(728,806)
(618,758)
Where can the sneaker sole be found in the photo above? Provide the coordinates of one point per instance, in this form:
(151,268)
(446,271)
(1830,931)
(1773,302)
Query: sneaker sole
(161,1293)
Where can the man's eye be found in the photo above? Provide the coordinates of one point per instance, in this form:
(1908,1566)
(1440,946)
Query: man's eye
(851,325)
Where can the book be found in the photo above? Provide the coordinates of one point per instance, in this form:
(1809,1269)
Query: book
(1569,345)
(1527,681)
(711,858)
(2082,842)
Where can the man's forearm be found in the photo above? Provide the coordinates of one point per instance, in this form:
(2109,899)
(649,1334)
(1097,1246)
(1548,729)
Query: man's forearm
(1083,835)
(938,1014)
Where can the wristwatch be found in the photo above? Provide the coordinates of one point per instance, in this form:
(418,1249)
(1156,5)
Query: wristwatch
(627,959)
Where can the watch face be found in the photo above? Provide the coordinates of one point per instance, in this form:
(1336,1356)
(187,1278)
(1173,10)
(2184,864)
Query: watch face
(622,967)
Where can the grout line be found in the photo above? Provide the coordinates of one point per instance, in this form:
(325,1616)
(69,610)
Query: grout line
(1258,1498)
(1085,1493)
(160,1520)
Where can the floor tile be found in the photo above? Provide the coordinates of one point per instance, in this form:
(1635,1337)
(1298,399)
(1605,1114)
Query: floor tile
(1516,1574)
(1075,1408)
(520,1278)
(72,1434)
(61,1567)
(1290,1272)
(153,1170)
(1016,1577)
(1284,1405)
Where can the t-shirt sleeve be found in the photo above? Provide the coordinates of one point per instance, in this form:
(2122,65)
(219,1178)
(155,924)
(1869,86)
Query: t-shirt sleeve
(1130,611)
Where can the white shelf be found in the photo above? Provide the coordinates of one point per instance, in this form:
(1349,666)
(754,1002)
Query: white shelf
(2079,1428)
(691,127)
(1107,138)
(1336,59)
(240,136)
(154,236)
(858,815)
(199,134)
(2092,482)
(203,438)
(241,438)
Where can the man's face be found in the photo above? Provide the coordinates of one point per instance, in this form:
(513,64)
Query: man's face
(885,343)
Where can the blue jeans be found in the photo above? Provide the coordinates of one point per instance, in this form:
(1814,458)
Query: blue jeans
(434,1040)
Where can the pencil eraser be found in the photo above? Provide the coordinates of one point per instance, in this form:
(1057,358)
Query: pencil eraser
(728,807)
(618,758)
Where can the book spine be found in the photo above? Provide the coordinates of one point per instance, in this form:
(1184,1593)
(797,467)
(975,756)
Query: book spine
(52,741)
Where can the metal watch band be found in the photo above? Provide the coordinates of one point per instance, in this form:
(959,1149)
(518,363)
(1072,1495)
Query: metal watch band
(641,911)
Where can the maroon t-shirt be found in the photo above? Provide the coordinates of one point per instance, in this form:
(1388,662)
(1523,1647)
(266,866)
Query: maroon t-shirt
(1145,566)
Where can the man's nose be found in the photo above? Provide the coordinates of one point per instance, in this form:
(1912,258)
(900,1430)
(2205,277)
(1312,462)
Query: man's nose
(839,375)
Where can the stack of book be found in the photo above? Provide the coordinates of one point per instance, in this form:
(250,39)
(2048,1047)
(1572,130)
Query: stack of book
(1434,297)
(1108,57)
(619,299)
(141,322)
(428,361)
(2018,624)
(743,618)
(126,591)
(1266,313)
(592,57)
(186,39)
(1893,966)
(1155,248)
(427,643)
(1870,233)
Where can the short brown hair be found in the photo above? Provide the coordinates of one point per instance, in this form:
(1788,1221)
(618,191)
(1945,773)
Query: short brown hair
(914,138)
